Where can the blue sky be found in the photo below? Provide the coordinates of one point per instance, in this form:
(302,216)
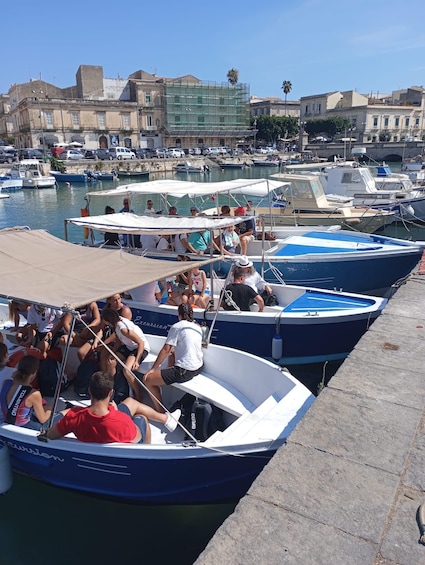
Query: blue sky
(318,45)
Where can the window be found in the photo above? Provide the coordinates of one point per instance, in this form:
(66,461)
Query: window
(48,116)
(407,123)
(417,122)
(177,99)
(222,120)
(386,121)
(201,120)
(149,121)
(397,122)
(126,121)
(177,119)
(319,108)
(148,99)
(75,118)
(375,121)
(200,100)
(221,102)
(101,120)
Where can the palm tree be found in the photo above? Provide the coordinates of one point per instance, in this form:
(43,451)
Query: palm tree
(286,87)
(233,76)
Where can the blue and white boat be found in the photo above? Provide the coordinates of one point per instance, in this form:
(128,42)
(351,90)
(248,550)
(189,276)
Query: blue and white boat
(311,325)
(260,403)
(344,260)
(8,184)
(70,177)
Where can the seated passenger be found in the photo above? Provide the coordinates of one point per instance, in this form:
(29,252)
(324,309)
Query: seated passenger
(104,422)
(198,291)
(252,276)
(246,229)
(183,350)
(229,241)
(240,296)
(150,293)
(89,315)
(16,310)
(21,404)
(130,345)
(43,324)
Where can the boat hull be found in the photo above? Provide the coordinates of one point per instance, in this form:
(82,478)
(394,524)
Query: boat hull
(314,327)
(164,475)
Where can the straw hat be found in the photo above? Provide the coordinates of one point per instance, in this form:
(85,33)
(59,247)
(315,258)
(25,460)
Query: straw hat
(243,261)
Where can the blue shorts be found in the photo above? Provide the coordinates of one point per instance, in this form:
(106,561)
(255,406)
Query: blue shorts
(138,420)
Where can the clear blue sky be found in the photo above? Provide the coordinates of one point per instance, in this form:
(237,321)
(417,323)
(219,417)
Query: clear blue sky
(318,45)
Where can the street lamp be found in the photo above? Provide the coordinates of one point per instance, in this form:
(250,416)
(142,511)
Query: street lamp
(255,133)
(40,115)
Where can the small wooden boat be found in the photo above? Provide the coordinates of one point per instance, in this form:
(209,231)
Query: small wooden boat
(132,174)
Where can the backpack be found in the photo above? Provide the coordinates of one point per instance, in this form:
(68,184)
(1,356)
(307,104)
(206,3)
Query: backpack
(82,380)
(199,417)
(48,377)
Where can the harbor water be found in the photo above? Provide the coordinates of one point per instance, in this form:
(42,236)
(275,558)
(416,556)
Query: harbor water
(44,525)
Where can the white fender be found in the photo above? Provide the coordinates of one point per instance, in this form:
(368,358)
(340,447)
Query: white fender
(277,347)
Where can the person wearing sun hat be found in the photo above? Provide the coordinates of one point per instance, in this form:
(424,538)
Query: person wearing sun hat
(245,229)
(252,277)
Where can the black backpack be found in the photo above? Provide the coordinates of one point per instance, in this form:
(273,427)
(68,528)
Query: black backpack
(48,376)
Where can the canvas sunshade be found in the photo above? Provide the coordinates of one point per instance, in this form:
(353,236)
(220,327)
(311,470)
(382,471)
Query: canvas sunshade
(40,268)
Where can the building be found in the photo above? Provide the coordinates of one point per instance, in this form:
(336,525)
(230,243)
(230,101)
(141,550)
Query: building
(395,117)
(271,106)
(141,111)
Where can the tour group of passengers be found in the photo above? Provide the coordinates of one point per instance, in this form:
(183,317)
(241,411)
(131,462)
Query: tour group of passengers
(233,239)
(179,360)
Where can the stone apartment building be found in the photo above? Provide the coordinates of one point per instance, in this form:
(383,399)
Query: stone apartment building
(143,110)
(395,117)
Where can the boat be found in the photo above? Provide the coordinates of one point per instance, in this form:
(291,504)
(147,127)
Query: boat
(268,162)
(392,192)
(188,167)
(32,174)
(415,169)
(4,195)
(9,184)
(346,260)
(70,177)
(301,200)
(132,174)
(232,165)
(172,469)
(315,325)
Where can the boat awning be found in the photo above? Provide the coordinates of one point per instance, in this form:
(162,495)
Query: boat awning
(134,224)
(40,268)
(49,138)
(78,139)
(181,188)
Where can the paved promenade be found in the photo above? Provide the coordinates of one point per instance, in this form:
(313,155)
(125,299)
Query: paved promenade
(346,488)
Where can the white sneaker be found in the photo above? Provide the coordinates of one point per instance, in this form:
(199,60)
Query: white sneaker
(172,420)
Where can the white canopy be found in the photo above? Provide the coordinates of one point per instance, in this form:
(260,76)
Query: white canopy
(181,188)
(157,224)
(42,269)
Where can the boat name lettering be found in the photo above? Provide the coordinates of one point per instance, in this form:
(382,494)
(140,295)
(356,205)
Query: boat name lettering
(152,325)
(33,451)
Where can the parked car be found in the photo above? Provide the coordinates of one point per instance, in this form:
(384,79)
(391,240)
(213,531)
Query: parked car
(30,153)
(175,152)
(71,155)
(103,154)
(161,153)
(121,153)
(145,153)
(90,154)
(8,156)
(195,151)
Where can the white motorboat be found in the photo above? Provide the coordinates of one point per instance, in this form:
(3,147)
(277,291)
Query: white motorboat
(31,172)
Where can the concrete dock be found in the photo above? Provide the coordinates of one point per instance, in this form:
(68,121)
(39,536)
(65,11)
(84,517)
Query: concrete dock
(347,486)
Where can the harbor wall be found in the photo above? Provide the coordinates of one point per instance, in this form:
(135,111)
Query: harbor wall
(347,485)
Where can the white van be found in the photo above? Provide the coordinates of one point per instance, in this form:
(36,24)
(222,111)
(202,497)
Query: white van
(121,153)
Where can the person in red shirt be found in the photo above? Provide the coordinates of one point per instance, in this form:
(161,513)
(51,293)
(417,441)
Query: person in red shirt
(104,422)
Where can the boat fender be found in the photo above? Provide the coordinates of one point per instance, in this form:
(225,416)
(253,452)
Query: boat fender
(6,479)
(277,347)
(421,522)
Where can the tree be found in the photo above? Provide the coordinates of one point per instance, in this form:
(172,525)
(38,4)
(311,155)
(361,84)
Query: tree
(286,87)
(233,76)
